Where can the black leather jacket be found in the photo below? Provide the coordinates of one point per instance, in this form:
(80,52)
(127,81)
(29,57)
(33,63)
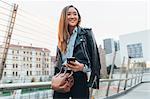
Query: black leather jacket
(92,51)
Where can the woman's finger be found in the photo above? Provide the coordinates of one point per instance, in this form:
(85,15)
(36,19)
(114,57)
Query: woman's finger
(71,66)
(73,63)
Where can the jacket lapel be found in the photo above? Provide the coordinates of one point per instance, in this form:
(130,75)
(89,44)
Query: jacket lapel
(80,32)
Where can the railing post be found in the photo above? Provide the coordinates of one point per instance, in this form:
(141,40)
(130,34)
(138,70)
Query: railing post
(110,75)
(135,74)
(132,71)
(121,71)
(143,67)
(139,73)
(127,71)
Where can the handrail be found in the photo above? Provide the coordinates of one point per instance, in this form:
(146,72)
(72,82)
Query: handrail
(14,86)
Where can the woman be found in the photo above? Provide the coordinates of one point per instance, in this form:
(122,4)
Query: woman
(74,41)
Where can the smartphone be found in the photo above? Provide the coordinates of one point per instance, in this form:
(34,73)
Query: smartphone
(71,59)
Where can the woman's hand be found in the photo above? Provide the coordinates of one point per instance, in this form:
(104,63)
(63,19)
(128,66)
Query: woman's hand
(75,66)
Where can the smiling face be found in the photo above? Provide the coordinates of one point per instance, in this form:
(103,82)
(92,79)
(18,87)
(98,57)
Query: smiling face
(72,17)
(69,19)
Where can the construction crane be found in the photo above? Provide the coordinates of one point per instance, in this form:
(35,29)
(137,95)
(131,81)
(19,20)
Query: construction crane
(7,40)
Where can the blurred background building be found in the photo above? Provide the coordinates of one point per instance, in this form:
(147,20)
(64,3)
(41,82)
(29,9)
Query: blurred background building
(111,46)
(136,45)
(27,64)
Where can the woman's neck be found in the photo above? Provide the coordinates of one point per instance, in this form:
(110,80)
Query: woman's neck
(70,29)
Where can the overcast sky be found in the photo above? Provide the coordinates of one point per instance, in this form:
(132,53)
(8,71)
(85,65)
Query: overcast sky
(107,18)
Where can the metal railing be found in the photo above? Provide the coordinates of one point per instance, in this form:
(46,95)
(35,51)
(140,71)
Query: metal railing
(113,89)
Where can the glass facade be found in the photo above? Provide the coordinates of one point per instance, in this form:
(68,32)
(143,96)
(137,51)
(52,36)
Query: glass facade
(135,50)
(108,46)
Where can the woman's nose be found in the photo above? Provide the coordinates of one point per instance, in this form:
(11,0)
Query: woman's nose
(72,16)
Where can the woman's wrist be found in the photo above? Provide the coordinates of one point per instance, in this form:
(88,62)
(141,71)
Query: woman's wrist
(82,67)
(86,68)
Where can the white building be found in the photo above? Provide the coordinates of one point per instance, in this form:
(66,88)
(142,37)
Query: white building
(110,46)
(136,45)
(27,64)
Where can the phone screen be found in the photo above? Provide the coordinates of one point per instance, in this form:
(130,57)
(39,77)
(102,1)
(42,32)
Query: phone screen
(71,59)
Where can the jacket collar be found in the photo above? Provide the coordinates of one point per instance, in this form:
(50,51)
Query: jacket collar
(79,38)
(81,31)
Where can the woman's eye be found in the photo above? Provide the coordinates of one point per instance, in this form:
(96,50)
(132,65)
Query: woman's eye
(75,14)
(68,14)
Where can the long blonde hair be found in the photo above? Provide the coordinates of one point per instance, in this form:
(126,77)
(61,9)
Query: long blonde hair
(63,33)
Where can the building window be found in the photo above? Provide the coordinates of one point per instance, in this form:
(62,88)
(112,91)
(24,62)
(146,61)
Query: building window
(13,65)
(13,57)
(31,73)
(135,50)
(16,65)
(13,73)
(17,51)
(24,65)
(4,73)
(30,65)
(27,73)
(24,52)
(16,73)
(23,58)
(27,58)
(12,51)
(5,65)
(30,58)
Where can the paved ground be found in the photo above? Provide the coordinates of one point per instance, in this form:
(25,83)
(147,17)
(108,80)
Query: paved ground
(140,92)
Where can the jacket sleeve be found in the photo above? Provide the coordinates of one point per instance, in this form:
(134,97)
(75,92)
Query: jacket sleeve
(94,59)
(57,62)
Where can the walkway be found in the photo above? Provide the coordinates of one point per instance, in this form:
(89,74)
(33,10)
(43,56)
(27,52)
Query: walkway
(140,92)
